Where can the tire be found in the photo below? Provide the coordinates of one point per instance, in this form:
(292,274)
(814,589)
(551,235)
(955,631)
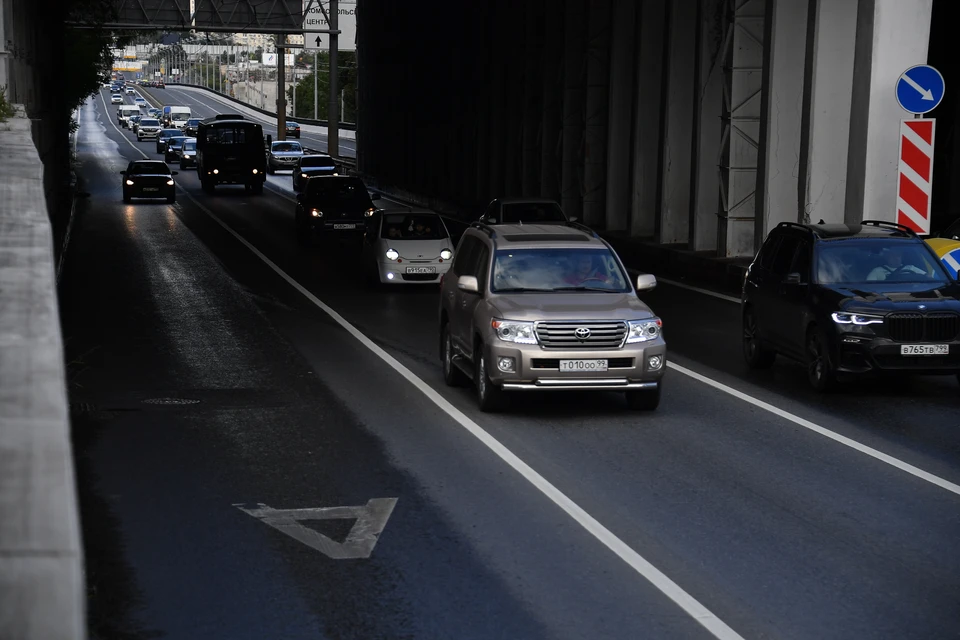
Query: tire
(490,397)
(754,353)
(452,375)
(171,199)
(139,138)
(127,199)
(820,370)
(182,166)
(270,169)
(644,400)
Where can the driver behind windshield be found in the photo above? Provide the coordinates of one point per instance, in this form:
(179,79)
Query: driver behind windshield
(892,266)
(585,271)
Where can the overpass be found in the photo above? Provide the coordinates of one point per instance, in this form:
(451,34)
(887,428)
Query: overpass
(698,124)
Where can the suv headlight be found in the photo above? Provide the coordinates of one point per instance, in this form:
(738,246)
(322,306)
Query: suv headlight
(643,330)
(446,254)
(518,332)
(392,254)
(859,319)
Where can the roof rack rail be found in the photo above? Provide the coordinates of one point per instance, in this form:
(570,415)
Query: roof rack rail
(485,228)
(582,227)
(887,223)
(795,225)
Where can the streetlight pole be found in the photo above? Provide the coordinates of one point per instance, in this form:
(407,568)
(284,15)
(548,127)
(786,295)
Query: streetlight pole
(316,72)
(333,132)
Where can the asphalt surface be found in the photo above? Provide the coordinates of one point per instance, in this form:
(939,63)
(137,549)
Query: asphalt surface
(774,529)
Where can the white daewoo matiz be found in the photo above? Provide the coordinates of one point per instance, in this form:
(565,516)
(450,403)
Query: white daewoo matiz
(407,246)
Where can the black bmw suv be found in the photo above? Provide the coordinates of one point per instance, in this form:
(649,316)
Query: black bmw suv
(848,300)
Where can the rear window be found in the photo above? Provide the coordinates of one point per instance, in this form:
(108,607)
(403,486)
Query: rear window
(318,162)
(169,133)
(343,192)
(149,167)
(193,122)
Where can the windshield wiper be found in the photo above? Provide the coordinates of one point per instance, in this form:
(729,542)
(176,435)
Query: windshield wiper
(582,288)
(523,290)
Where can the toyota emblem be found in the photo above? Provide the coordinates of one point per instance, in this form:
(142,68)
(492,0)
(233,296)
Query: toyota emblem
(582,333)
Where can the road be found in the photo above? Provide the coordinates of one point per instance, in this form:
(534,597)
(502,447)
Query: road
(205,105)
(746,506)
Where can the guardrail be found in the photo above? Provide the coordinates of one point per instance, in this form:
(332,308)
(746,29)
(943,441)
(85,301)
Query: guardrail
(349,126)
(42,591)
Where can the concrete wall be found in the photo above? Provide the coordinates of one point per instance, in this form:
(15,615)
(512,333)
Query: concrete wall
(700,124)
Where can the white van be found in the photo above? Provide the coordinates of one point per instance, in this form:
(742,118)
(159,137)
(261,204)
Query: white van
(124,113)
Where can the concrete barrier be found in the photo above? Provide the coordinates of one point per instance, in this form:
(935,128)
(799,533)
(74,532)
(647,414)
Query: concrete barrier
(42,594)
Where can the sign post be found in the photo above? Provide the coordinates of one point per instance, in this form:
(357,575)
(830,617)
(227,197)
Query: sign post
(919,90)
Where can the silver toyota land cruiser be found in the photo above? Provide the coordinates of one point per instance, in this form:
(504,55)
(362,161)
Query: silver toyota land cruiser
(538,307)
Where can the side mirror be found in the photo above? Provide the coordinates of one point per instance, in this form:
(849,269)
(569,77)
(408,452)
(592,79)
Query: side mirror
(124,172)
(490,221)
(468,284)
(374,196)
(173,173)
(646,282)
(792,278)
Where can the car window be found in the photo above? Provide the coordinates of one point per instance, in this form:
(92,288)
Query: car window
(412,226)
(558,269)
(852,261)
(148,167)
(768,251)
(317,162)
(287,146)
(349,193)
(529,213)
(801,261)
(169,133)
(149,123)
(784,257)
(189,146)
(466,256)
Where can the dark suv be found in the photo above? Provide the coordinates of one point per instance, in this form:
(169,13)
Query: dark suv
(333,205)
(850,299)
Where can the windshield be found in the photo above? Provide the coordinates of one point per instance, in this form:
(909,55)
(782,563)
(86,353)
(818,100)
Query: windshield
(348,194)
(148,167)
(850,262)
(168,133)
(558,270)
(189,146)
(287,146)
(147,122)
(193,122)
(318,162)
(531,212)
(412,226)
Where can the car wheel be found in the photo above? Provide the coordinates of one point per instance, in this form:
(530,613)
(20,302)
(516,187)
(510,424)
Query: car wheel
(126,197)
(452,375)
(820,370)
(183,166)
(644,400)
(270,169)
(305,234)
(171,198)
(489,395)
(756,355)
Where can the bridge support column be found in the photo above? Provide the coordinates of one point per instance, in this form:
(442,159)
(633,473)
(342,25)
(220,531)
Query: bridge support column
(595,126)
(831,44)
(551,128)
(891,36)
(532,98)
(623,55)
(574,81)
(675,201)
(645,173)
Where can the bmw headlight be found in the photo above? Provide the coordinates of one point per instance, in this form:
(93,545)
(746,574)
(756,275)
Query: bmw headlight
(859,319)
(446,254)
(129,182)
(644,330)
(170,182)
(518,332)
(392,254)
(369,213)
(254,172)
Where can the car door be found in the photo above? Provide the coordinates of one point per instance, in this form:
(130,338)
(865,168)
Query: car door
(792,300)
(773,313)
(457,303)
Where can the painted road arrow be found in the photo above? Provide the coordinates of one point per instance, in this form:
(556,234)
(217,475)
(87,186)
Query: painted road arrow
(926,93)
(359,543)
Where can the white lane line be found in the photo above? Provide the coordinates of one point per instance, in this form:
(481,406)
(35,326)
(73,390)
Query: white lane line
(823,431)
(717,627)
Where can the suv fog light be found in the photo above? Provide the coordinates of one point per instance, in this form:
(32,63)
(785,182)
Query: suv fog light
(654,362)
(390,276)
(505,364)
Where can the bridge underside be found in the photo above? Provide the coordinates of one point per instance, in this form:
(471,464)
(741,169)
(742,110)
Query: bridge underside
(699,123)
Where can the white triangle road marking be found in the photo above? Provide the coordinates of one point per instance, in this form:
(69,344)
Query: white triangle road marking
(370,521)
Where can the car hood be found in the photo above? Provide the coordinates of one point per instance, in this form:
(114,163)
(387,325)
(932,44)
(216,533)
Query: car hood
(416,249)
(884,297)
(570,306)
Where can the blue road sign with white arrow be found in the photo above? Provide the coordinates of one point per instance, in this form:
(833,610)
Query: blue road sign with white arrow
(920,89)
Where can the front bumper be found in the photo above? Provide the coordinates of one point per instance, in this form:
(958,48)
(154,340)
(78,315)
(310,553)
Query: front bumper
(147,134)
(393,273)
(283,163)
(236,176)
(535,368)
(165,191)
(188,161)
(338,225)
(864,354)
